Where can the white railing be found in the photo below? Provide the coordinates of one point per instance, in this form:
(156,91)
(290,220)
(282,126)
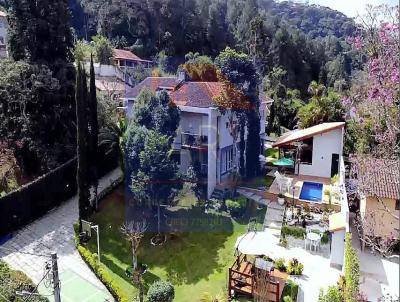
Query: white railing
(344,207)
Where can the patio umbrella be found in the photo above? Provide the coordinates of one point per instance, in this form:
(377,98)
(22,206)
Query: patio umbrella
(284,162)
(259,243)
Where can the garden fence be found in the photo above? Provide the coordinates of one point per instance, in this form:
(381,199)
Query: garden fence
(36,198)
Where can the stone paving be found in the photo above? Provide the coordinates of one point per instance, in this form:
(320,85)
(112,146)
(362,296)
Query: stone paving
(30,248)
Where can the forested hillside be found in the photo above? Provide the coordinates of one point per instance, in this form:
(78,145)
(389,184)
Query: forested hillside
(308,42)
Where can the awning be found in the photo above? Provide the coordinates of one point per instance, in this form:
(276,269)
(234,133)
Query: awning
(284,162)
(259,243)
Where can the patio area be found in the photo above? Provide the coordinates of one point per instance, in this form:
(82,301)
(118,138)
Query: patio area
(293,191)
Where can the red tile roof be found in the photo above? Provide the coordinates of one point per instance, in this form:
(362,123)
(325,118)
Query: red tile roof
(380,177)
(152,83)
(183,93)
(194,94)
(127,55)
(197,94)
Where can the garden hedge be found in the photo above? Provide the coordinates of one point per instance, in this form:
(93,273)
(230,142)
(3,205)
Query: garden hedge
(299,233)
(351,271)
(101,271)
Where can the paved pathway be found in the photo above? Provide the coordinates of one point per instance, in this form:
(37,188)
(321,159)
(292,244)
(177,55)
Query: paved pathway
(54,233)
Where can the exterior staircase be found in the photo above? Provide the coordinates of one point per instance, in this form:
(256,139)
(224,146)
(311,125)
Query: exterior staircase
(218,194)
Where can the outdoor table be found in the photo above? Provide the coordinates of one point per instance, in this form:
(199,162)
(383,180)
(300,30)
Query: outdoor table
(313,237)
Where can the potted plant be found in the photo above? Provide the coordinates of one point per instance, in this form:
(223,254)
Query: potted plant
(281,199)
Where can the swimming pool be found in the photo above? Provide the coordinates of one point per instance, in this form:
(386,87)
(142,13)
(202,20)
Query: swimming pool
(311,191)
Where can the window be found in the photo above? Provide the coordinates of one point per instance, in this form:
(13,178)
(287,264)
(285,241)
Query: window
(227,155)
(397,206)
(306,151)
(1,40)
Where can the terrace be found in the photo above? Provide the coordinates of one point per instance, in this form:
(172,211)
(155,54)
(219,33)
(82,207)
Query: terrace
(293,193)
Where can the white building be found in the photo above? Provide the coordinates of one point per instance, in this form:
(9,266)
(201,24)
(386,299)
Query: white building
(321,147)
(3,35)
(203,134)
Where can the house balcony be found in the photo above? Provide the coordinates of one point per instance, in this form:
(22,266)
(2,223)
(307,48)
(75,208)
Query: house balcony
(194,141)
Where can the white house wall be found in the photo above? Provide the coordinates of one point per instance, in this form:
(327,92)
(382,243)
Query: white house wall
(324,145)
(3,34)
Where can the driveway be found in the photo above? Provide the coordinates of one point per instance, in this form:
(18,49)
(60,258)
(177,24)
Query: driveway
(30,248)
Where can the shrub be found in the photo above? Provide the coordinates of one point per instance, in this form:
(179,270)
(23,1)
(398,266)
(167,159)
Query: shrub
(290,291)
(280,264)
(351,271)
(12,281)
(295,267)
(161,291)
(236,207)
(333,294)
(293,231)
(287,299)
(102,273)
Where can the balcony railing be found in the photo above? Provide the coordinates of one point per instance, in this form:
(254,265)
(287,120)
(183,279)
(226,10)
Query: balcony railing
(194,141)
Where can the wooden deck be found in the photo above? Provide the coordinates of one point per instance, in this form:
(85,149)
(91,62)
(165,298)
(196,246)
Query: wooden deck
(242,281)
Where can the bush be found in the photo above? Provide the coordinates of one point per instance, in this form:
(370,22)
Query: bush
(351,271)
(293,231)
(287,299)
(333,294)
(236,207)
(280,264)
(101,271)
(290,291)
(161,291)
(12,281)
(295,267)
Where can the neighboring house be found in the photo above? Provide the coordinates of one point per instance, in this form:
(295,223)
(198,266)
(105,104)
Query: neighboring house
(3,35)
(203,133)
(318,149)
(125,59)
(379,186)
(111,87)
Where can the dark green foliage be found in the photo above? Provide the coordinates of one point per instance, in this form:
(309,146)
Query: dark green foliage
(157,177)
(290,291)
(31,117)
(39,34)
(324,106)
(12,281)
(333,294)
(239,73)
(351,272)
(40,31)
(161,291)
(82,145)
(236,207)
(156,112)
(93,127)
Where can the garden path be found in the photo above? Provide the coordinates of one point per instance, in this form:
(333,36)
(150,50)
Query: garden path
(29,248)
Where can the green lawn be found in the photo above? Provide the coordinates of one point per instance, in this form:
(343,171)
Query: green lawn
(194,262)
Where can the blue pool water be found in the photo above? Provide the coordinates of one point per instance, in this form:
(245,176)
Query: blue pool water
(311,191)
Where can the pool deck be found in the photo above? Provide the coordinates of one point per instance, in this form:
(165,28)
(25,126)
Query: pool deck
(297,182)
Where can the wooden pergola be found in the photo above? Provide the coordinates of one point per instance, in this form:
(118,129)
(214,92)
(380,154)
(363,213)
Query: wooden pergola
(256,280)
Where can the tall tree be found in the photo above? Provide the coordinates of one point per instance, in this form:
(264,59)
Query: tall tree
(241,81)
(82,145)
(94,130)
